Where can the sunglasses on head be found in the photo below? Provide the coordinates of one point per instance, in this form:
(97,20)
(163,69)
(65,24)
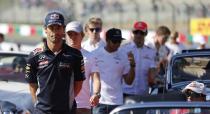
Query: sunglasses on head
(95,29)
(139,32)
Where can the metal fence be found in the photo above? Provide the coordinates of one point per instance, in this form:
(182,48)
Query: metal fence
(119,13)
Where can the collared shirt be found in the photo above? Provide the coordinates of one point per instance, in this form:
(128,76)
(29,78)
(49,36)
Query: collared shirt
(87,45)
(112,67)
(174,48)
(83,97)
(161,54)
(144,59)
(54,75)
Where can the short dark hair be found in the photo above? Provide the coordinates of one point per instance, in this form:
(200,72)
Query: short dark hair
(2,35)
(174,35)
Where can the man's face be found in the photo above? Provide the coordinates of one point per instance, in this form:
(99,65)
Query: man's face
(113,45)
(162,39)
(74,38)
(193,96)
(55,33)
(138,37)
(1,39)
(93,31)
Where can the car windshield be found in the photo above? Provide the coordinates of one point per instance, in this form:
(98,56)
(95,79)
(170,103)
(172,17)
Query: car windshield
(164,108)
(165,111)
(191,68)
(12,67)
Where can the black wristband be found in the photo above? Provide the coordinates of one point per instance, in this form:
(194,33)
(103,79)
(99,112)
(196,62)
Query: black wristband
(97,94)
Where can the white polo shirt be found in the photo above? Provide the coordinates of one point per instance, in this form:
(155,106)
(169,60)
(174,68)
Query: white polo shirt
(144,58)
(174,48)
(90,66)
(161,54)
(87,45)
(112,67)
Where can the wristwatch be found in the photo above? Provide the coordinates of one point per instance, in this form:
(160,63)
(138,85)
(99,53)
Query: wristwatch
(97,94)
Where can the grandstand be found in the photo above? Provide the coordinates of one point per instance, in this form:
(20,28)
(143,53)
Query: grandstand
(118,13)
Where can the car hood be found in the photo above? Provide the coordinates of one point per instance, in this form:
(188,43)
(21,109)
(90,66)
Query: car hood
(17,93)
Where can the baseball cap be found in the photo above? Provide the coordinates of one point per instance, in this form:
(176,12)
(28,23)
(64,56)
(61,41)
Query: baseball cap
(140,25)
(75,26)
(196,87)
(54,18)
(114,34)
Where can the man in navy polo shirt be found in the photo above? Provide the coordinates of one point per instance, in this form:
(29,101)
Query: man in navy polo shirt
(55,71)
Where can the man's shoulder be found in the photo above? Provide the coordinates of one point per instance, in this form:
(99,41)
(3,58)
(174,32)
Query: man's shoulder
(37,51)
(84,43)
(73,51)
(148,48)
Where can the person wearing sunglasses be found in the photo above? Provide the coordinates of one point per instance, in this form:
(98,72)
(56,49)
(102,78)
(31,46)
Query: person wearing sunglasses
(114,68)
(195,91)
(84,100)
(93,29)
(144,57)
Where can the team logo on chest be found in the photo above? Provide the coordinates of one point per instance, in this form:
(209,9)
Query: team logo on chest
(43,62)
(64,65)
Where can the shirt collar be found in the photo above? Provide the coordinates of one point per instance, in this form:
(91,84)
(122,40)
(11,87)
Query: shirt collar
(46,48)
(134,45)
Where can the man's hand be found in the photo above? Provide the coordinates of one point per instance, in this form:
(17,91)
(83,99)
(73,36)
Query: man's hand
(94,99)
(131,59)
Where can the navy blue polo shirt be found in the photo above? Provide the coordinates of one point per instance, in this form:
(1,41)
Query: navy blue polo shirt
(54,75)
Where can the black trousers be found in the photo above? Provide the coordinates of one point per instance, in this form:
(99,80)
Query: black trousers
(72,111)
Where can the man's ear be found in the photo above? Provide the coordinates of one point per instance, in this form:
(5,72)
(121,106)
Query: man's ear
(45,30)
(83,34)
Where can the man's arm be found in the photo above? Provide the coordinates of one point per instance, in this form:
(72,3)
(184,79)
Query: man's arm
(94,99)
(151,76)
(77,87)
(33,88)
(131,74)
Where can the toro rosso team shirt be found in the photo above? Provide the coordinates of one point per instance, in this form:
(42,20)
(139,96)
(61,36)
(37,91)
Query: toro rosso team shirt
(55,75)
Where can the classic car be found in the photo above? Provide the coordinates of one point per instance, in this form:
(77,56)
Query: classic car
(183,68)
(14,91)
(190,65)
(164,108)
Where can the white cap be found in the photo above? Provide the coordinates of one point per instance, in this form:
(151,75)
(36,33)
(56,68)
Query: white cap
(196,87)
(74,26)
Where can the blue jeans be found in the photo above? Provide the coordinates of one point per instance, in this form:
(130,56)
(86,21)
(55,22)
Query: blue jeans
(103,109)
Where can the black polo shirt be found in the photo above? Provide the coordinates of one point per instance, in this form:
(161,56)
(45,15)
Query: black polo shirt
(54,75)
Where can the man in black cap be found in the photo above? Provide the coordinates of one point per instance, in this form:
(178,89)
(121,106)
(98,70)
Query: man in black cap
(113,68)
(55,71)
